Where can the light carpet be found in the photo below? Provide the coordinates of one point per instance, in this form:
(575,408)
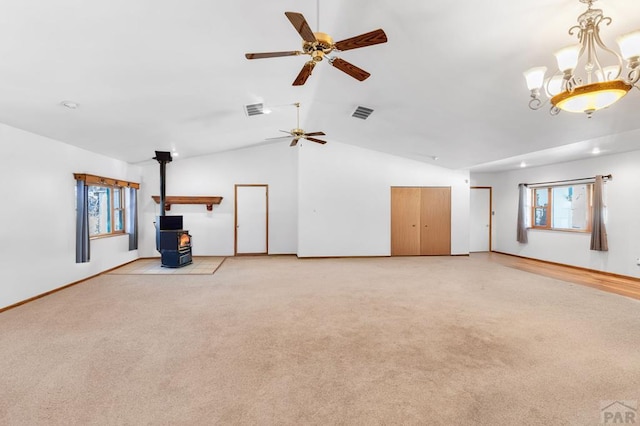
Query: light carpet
(280,340)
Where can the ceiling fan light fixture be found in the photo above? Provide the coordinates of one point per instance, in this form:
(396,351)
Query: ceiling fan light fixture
(584,82)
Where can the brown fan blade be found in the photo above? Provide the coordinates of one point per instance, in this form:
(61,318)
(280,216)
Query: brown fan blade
(363,40)
(315,134)
(301,26)
(304,73)
(271,54)
(349,68)
(294,142)
(316,140)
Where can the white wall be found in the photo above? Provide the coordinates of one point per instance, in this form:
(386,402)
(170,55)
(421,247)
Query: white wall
(216,175)
(38,215)
(623,207)
(345,199)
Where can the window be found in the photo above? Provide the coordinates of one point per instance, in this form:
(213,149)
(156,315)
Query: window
(104,206)
(563,208)
(106,210)
(101,204)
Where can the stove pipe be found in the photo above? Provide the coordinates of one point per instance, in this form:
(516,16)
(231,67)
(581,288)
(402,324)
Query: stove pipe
(163,158)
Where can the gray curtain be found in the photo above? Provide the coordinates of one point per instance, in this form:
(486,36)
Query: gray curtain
(132,219)
(82,222)
(598,230)
(522,214)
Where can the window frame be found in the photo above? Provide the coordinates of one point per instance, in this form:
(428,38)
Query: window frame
(549,208)
(112,210)
(534,207)
(121,185)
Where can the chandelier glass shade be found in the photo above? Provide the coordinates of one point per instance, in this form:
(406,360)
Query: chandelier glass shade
(590,75)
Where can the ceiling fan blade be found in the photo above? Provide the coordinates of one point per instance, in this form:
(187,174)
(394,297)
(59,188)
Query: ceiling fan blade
(349,68)
(271,54)
(301,26)
(304,73)
(316,140)
(363,40)
(294,142)
(315,134)
(278,137)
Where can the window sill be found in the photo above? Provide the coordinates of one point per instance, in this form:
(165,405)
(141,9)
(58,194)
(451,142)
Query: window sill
(100,237)
(570,231)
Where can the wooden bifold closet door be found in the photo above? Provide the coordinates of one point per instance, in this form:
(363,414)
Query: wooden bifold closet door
(420,221)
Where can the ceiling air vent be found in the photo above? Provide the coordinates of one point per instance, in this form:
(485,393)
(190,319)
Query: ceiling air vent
(362,112)
(254,109)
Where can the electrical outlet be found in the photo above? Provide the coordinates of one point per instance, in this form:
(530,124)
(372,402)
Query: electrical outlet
(638,261)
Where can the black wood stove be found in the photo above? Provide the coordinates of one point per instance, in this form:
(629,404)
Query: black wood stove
(172,241)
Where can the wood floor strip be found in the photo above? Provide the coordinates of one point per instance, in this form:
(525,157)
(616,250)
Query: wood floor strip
(605,281)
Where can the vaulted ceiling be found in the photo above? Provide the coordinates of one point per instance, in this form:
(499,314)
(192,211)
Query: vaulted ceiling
(163,74)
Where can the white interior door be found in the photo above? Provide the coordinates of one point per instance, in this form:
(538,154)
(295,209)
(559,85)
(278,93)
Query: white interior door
(251,219)
(480,220)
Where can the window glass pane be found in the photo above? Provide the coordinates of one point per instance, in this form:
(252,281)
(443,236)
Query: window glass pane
(118,220)
(540,216)
(541,197)
(99,203)
(117,198)
(570,207)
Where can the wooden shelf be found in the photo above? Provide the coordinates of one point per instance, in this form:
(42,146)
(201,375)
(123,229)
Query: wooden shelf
(186,199)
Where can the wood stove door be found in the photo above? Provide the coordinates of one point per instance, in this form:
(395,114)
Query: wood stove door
(251,212)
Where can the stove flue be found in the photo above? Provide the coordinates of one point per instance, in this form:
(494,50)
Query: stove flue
(163,157)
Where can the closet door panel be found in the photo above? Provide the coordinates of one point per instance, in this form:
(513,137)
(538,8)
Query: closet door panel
(435,221)
(405,221)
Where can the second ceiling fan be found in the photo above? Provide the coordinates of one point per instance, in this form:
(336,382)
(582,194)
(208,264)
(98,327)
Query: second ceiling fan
(317,45)
(298,133)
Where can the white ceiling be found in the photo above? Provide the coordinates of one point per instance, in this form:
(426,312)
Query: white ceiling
(165,74)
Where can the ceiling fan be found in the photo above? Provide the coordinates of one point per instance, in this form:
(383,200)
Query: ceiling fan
(317,45)
(298,133)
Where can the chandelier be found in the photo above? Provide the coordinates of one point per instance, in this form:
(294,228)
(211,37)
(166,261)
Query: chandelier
(583,82)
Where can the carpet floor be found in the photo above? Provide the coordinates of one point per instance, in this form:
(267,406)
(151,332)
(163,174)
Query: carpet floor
(281,340)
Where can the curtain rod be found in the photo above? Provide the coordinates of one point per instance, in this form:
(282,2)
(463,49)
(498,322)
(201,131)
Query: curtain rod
(604,177)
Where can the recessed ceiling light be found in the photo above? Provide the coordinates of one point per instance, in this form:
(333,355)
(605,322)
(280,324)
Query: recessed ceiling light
(523,164)
(595,151)
(435,157)
(70,104)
